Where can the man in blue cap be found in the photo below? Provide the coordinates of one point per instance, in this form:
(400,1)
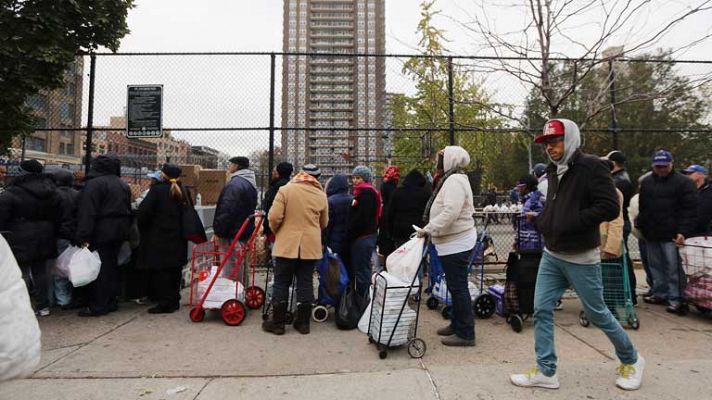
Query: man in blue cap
(668,203)
(698,174)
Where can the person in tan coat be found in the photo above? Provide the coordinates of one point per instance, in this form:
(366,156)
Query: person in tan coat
(612,235)
(298,215)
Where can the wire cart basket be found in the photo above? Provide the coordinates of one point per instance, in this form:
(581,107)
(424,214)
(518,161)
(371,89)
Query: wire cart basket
(696,256)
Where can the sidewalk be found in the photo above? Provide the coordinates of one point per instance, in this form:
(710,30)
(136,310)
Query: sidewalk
(134,355)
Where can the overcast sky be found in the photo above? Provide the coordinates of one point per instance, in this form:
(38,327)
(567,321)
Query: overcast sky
(205,92)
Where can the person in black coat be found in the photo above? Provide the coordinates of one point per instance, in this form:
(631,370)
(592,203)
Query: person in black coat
(103,223)
(68,197)
(406,207)
(336,233)
(163,249)
(280,177)
(391,177)
(30,220)
(698,175)
(364,215)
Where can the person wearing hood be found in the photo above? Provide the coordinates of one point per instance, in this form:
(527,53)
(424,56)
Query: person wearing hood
(297,217)
(406,207)
(366,210)
(30,215)
(449,223)
(163,250)
(61,288)
(391,178)
(280,177)
(339,199)
(103,223)
(581,195)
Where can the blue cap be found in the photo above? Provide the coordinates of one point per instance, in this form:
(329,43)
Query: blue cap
(539,169)
(154,175)
(695,168)
(662,157)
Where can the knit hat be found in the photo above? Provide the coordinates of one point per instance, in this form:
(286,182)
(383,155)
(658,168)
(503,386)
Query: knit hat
(171,170)
(285,169)
(242,162)
(31,167)
(362,171)
(392,174)
(312,170)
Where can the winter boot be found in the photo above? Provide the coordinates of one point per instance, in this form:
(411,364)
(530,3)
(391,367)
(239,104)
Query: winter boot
(301,322)
(276,324)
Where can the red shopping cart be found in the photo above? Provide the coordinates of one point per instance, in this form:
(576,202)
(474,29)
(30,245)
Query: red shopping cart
(218,277)
(696,256)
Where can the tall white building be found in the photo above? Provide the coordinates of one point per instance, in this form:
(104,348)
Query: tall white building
(325,93)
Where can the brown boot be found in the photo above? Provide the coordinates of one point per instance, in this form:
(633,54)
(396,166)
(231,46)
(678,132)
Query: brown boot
(301,322)
(276,324)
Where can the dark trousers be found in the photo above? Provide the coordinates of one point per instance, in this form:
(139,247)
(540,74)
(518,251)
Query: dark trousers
(166,286)
(455,267)
(105,289)
(285,270)
(360,266)
(37,280)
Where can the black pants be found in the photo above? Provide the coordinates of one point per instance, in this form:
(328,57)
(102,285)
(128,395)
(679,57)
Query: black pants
(37,280)
(166,286)
(105,289)
(285,270)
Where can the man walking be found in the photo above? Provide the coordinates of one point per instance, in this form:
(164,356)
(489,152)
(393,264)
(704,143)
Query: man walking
(581,196)
(668,203)
(698,174)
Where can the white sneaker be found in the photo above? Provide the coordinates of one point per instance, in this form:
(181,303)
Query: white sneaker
(43,312)
(630,376)
(534,378)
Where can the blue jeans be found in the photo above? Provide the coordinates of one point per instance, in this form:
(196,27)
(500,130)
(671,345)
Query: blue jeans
(664,263)
(555,275)
(455,267)
(60,288)
(361,252)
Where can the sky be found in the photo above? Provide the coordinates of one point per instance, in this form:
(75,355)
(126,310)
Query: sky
(224,91)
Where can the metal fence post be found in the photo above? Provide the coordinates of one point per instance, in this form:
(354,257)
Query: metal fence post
(614,116)
(90,113)
(451,102)
(271,114)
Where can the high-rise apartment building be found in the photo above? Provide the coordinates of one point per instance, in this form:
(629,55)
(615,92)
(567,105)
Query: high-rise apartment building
(333,89)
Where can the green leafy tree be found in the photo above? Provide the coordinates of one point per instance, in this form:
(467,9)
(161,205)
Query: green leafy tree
(38,41)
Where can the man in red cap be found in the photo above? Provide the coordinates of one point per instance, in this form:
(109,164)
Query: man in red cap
(580,196)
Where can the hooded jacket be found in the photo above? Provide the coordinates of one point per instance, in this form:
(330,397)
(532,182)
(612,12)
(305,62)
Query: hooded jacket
(30,213)
(104,211)
(452,209)
(236,203)
(406,206)
(339,200)
(269,198)
(68,198)
(668,206)
(580,196)
(299,212)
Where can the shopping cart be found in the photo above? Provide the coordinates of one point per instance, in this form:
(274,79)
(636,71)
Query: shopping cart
(218,277)
(696,256)
(393,319)
(333,279)
(616,292)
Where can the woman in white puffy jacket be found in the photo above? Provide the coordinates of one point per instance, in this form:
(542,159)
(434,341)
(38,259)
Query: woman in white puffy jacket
(19,331)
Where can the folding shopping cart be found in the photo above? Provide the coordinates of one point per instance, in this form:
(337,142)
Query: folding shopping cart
(696,256)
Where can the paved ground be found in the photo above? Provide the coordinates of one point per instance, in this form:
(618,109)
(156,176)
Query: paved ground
(134,355)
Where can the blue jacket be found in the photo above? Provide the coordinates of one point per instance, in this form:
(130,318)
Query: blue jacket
(528,236)
(236,203)
(339,206)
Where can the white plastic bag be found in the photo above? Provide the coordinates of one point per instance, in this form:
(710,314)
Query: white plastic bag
(62,265)
(405,261)
(83,267)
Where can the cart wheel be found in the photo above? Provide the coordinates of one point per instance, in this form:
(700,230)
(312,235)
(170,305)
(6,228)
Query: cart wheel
(432,303)
(416,348)
(233,312)
(633,322)
(383,354)
(254,297)
(516,322)
(583,320)
(447,312)
(320,313)
(288,318)
(197,314)
(484,306)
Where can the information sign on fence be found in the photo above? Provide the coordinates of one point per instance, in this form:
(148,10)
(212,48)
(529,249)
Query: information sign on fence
(144,111)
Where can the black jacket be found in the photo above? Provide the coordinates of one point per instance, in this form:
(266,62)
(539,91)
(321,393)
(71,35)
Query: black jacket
(30,214)
(407,206)
(385,241)
(576,206)
(104,213)
(362,217)
(68,198)
(704,211)
(667,207)
(236,203)
(340,200)
(159,220)
(269,199)
(623,183)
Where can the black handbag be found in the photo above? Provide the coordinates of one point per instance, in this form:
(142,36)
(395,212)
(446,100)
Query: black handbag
(351,308)
(192,226)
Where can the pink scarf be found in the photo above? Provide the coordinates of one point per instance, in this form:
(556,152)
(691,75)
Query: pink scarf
(367,185)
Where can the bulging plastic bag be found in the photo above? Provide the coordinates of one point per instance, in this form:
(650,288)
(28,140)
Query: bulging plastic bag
(79,265)
(405,261)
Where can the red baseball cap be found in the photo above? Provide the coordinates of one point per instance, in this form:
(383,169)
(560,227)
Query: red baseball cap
(553,128)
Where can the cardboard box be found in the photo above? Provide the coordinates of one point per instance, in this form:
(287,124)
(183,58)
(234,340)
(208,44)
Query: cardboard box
(210,185)
(189,176)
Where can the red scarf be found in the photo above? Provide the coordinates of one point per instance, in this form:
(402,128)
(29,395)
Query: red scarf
(367,185)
